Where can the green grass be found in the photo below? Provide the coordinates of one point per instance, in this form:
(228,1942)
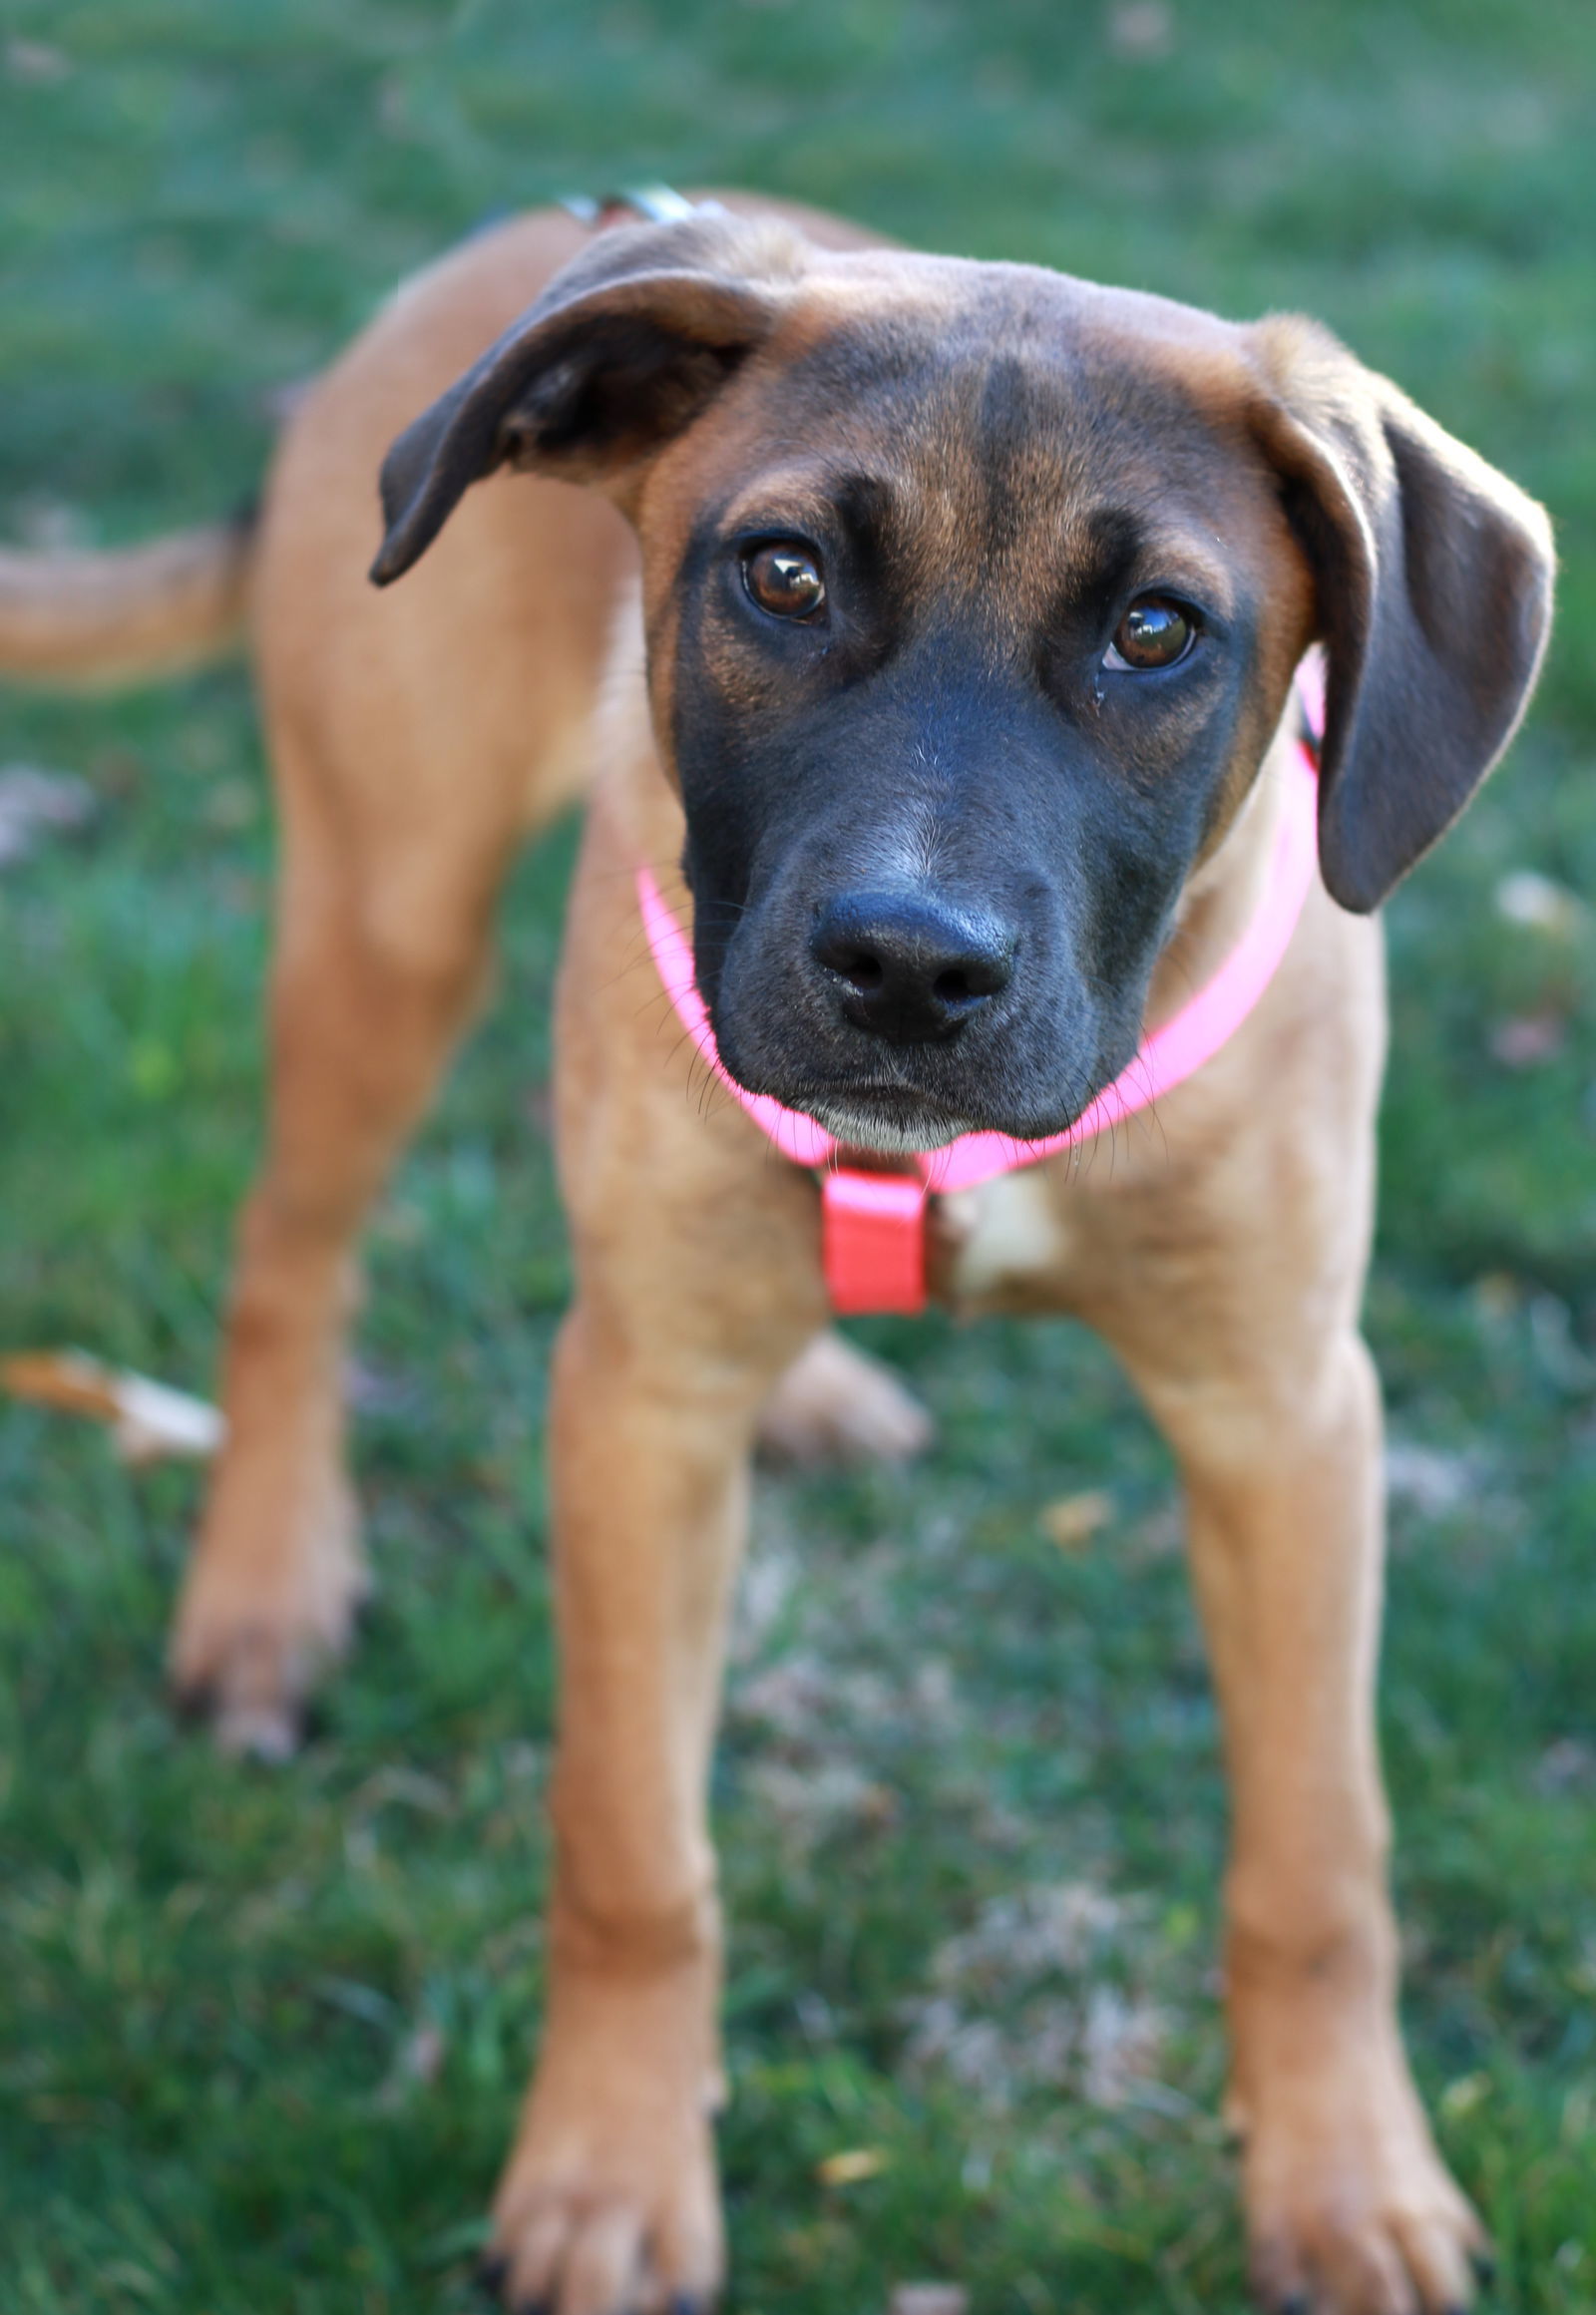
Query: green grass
(261,2036)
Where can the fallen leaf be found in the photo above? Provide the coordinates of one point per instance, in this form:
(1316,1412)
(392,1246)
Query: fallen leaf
(1460,2098)
(1141,28)
(36,804)
(50,525)
(230,805)
(1074,1519)
(418,2061)
(1565,1765)
(927,2299)
(1431,1480)
(853,2166)
(1558,1352)
(1527,1039)
(35,64)
(149,1420)
(1524,898)
(1498,1295)
(372,1389)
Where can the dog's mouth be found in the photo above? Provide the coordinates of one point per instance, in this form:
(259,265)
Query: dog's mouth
(886,1120)
(884,1116)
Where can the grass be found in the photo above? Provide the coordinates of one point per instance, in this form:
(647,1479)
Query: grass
(261,2036)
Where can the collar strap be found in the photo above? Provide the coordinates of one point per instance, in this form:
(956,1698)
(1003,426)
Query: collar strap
(874,1224)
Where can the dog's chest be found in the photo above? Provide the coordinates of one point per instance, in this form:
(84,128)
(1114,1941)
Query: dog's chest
(1003,1244)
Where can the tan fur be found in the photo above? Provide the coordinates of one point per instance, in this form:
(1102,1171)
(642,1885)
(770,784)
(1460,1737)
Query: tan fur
(418,735)
(97,621)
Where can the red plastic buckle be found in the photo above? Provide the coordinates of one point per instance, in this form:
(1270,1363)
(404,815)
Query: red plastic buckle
(872,1242)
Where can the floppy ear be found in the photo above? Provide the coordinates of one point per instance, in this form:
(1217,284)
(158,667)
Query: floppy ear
(623,349)
(1434,577)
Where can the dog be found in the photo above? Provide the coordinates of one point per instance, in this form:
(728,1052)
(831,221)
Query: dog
(929,629)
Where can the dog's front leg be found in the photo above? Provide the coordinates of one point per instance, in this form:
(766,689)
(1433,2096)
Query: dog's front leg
(1348,2205)
(609,2201)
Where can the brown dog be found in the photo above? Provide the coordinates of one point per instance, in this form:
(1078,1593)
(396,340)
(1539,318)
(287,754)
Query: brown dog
(971,598)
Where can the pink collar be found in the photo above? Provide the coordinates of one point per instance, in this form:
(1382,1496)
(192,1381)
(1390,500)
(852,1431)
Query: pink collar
(874,1224)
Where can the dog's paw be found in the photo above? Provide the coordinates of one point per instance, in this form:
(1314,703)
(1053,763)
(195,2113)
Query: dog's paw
(1350,2211)
(265,1610)
(609,2204)
(836,1404)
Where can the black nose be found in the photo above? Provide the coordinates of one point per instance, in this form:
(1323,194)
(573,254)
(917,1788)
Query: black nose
(910,968)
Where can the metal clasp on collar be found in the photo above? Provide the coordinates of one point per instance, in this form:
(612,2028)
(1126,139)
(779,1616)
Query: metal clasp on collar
(655,204)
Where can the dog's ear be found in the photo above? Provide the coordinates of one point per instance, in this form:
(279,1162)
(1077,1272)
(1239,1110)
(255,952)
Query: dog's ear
(623,349)
(1433,575)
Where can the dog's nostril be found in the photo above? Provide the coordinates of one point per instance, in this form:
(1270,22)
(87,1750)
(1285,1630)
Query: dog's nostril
(911,968)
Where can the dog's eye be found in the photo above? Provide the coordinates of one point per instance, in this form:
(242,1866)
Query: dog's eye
(1154,632)
(785,581)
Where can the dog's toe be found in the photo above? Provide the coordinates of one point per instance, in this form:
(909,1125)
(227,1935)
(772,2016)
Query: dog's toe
(491,2272)
(255,1732)
(1368,2223)
(265,1609)
(248,1686)
(580,2260)
(193,1702)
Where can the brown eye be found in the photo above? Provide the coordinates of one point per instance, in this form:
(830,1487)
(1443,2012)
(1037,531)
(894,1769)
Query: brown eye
(1154,632)
(784,580)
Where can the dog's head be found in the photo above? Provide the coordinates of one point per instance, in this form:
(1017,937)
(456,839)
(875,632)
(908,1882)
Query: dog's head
(973,596)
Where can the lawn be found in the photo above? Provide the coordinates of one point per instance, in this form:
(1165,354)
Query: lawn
(261,2034)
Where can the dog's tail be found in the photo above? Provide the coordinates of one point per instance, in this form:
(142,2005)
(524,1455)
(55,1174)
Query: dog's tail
(130,615)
